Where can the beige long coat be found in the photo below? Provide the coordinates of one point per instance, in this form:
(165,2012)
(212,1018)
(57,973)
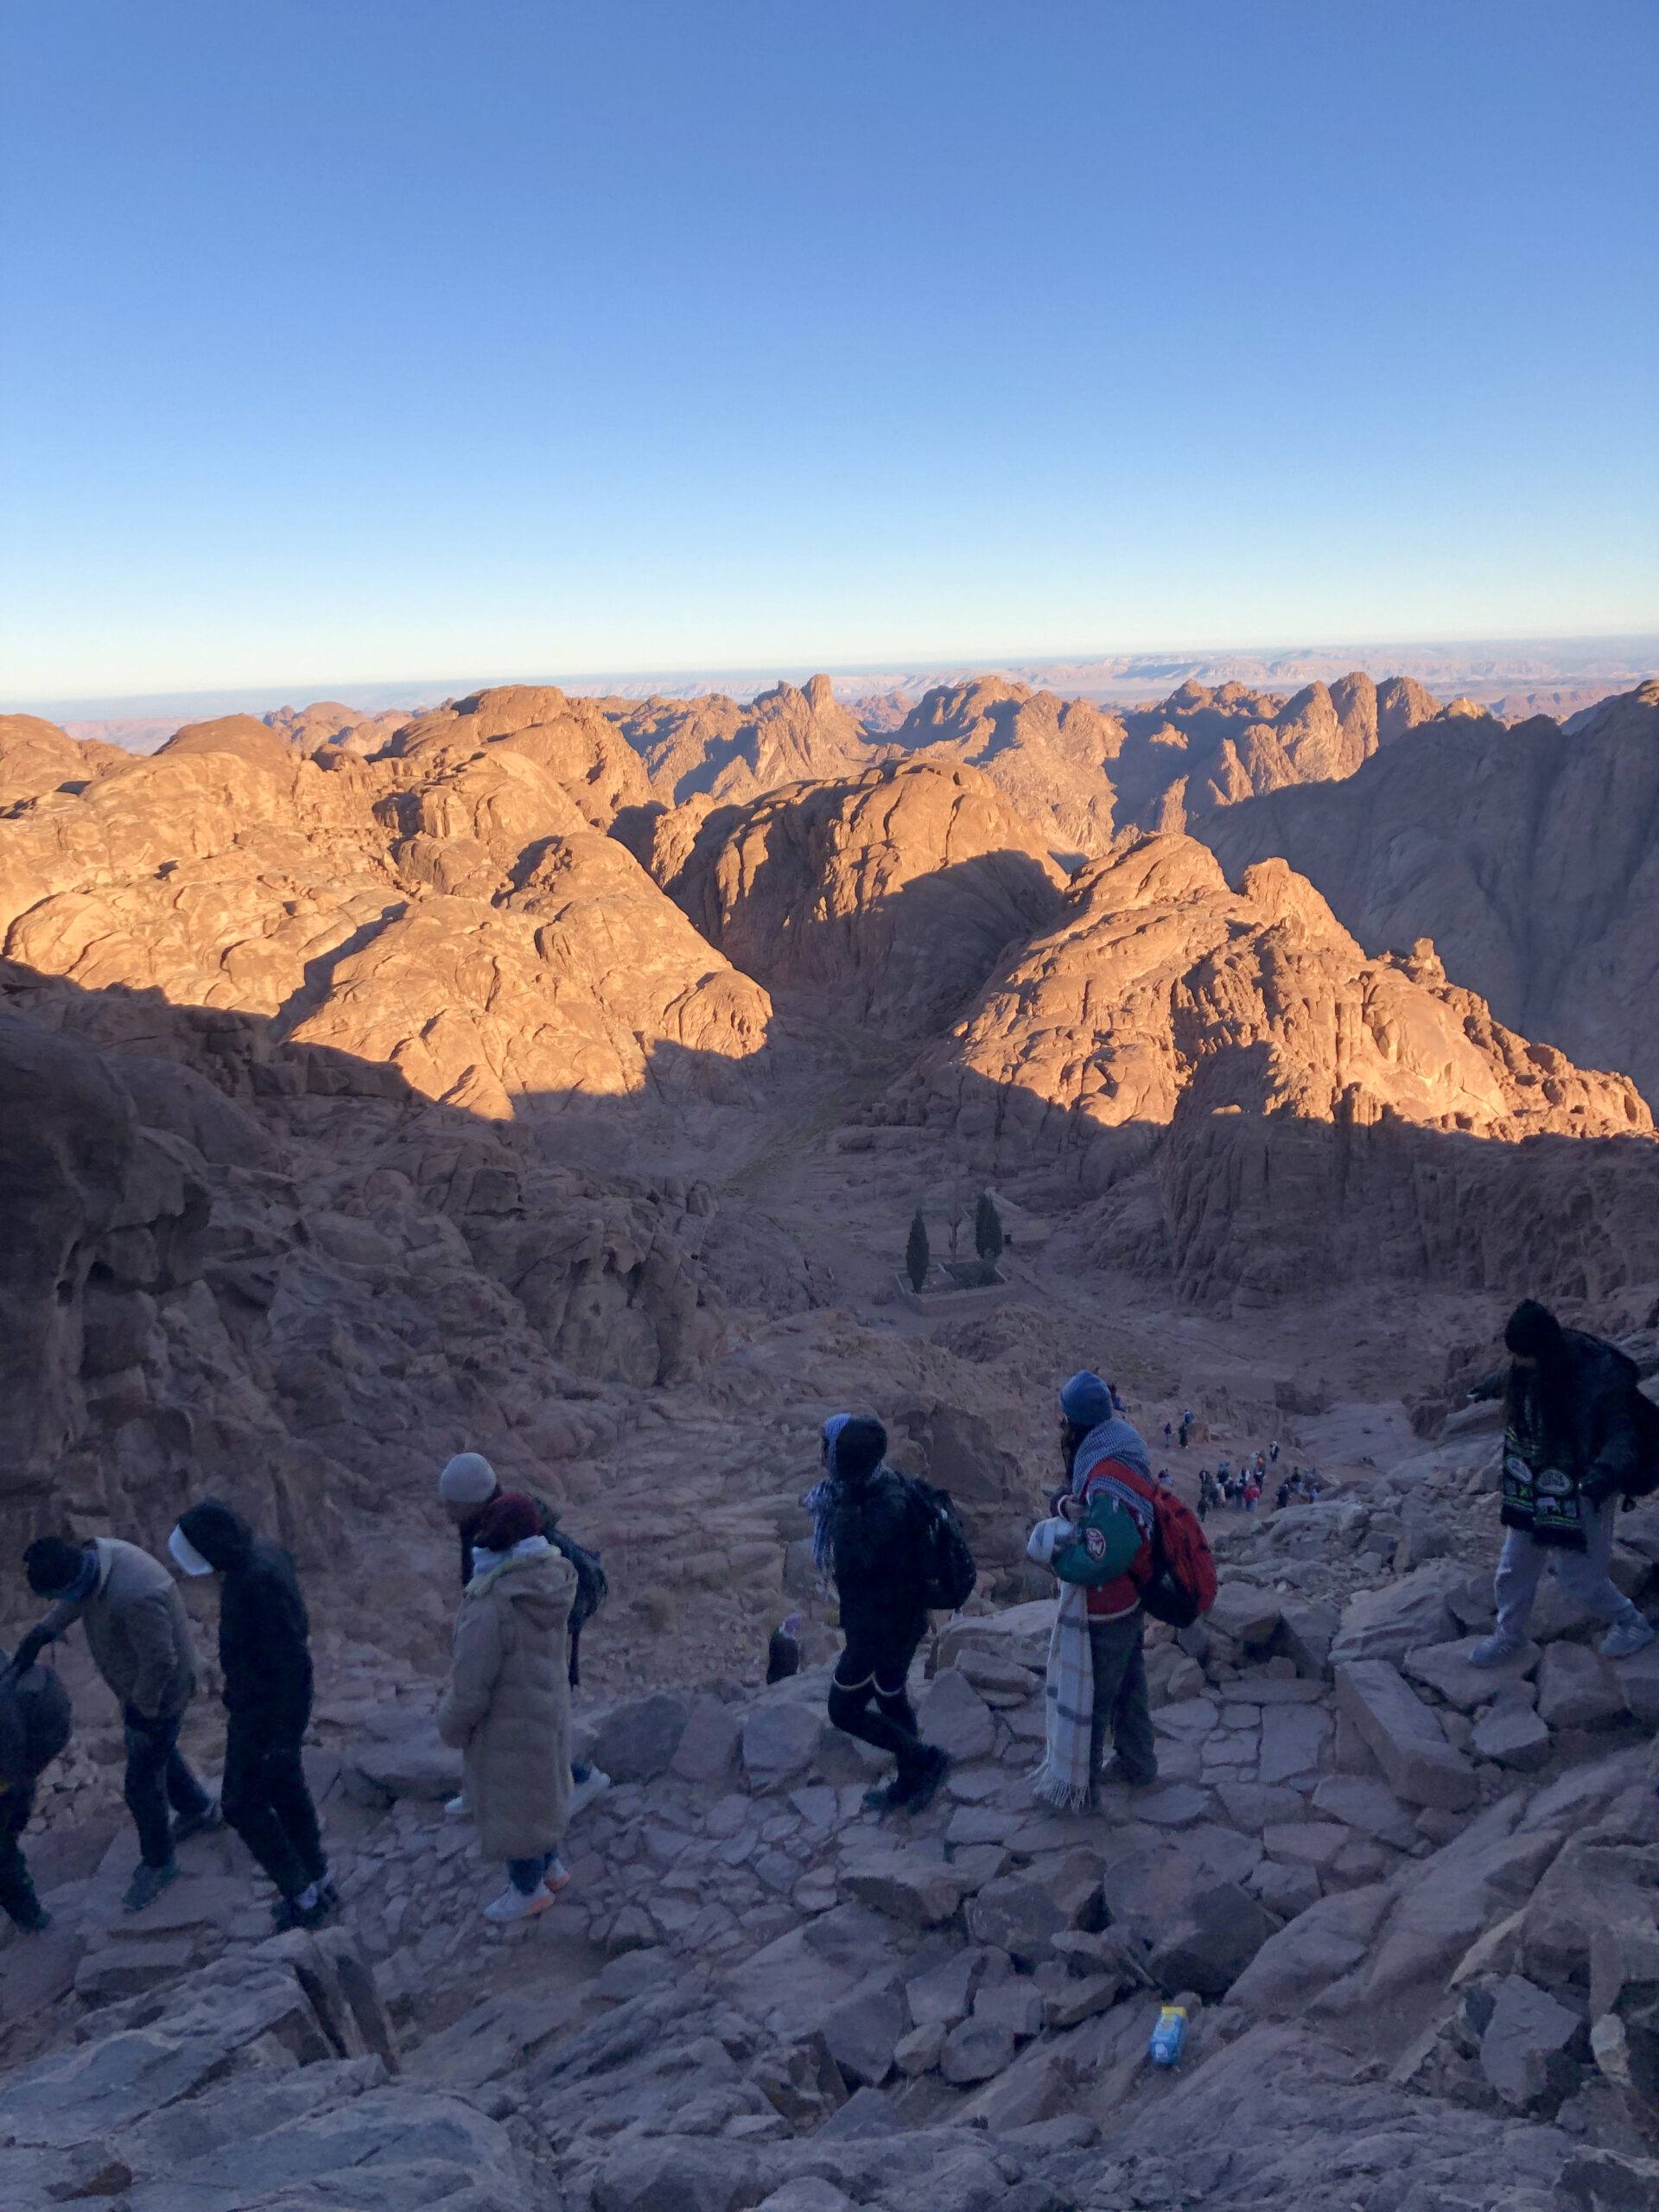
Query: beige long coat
(507,1708)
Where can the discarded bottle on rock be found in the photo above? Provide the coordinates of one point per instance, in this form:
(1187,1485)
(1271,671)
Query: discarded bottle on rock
(1169,2037)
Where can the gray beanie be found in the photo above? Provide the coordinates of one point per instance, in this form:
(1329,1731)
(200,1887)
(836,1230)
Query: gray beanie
(469,1479)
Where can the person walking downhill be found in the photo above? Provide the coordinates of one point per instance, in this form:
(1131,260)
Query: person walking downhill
(467,1487)
(1098,1541)
(507,1707)
(1571,1446)
(265,1655)
(139,1637)
(33,1728)
(870,1536)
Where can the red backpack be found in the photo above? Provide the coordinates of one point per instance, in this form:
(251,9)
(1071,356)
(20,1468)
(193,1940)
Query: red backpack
(1180,1577)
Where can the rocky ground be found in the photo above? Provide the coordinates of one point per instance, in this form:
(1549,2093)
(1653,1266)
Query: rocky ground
(1414,1908)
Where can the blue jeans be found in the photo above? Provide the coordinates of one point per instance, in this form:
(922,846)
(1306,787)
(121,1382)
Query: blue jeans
(525,1874)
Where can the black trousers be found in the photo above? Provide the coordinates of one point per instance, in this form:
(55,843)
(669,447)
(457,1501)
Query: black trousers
(16,1890)
(871,1672)
(266,1799)
(157,1776)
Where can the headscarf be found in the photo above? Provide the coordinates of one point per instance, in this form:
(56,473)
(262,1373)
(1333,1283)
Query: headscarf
(820,1502)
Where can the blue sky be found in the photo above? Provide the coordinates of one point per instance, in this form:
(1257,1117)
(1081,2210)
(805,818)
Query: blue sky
(378,340)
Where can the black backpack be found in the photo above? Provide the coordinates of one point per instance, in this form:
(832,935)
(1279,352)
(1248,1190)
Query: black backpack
(34,1721)
(1645,1419)
(948,1571)
(591,1590)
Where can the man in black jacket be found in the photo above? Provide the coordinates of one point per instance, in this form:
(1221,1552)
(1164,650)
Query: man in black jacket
(1570,1449)
(871,1532)
(264,1652)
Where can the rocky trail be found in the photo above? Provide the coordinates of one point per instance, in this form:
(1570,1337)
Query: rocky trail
(1413,1905)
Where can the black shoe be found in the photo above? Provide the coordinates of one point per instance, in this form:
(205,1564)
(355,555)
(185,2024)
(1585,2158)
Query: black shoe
(929,1784)
(148,1884)
(886,1797)
(288,1912)
(1115,1775)
(198,1823)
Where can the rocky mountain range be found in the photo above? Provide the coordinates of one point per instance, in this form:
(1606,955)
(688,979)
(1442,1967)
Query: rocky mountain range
(557,1077)
(1527,854)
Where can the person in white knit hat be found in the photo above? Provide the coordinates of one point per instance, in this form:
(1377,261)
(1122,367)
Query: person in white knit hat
(467,1487)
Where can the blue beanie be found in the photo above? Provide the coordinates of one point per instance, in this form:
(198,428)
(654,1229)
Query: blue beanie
(1086,1401)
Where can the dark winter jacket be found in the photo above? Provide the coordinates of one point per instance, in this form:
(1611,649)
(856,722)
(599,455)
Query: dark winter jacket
(1604,1446)
(880,1534)
(263,1632)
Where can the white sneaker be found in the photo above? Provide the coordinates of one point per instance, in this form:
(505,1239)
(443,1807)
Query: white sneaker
(513,1905)
(455,1809)
(1628,1634)
(583,1793)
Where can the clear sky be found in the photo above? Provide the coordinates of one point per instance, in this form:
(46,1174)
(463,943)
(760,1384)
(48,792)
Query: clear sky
(376,339)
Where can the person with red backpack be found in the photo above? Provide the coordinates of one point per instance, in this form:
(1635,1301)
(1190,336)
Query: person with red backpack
(1098,1540)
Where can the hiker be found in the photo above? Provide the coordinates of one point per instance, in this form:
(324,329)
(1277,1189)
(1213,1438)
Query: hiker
(1169,1431)
(1118,1406)
(870,1535)
(1571,1447)
(507,1707)
(1273,1454)
(1181,1434)
(264,1656)
(1206,1491)
(467,1487)
(139,1637)
(34,1729)
(1252,1492)
(1098,1534)
(1281,1496)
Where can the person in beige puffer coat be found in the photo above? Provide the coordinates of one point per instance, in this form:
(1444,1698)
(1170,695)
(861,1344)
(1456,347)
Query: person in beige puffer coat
(507,1708)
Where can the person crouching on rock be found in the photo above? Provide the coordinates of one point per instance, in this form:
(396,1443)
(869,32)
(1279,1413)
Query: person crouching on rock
(1098,1541)
(1570,1444)
(870,1531)
(468,1486)
(139,1637)
(507,1708)
(264,1654)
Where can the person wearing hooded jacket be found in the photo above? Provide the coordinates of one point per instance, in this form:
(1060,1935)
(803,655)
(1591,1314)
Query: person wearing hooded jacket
(1570,1447)
(265,1656)
(1099,1536)
(870,1532)
(467,1487)
(507,1707)
(139,1637)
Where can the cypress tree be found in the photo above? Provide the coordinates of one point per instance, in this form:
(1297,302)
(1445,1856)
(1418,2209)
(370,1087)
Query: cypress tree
(987,1230)
(917,1257)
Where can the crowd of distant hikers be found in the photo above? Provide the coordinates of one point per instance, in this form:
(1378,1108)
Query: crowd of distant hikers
(1122,1545)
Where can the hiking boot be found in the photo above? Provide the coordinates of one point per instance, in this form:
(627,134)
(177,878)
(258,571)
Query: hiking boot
(1496,1649)
(455,1809)
(201,1822)
(513,1905)
(592,1785)
(929,1784)
(1628,1634)
(1115,1775)
(148,1884)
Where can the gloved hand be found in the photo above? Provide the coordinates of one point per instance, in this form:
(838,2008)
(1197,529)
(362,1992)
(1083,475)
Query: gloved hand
(28,1652)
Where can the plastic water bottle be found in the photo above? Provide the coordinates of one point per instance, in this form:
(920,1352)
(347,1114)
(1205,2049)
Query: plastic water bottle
(1169,2037)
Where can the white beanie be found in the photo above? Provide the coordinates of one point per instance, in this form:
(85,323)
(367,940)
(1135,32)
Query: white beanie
(469,1479)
